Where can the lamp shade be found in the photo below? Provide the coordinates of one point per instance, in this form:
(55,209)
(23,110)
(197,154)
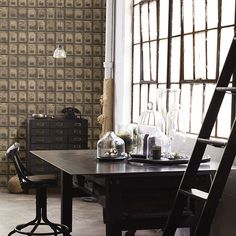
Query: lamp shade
(59,52)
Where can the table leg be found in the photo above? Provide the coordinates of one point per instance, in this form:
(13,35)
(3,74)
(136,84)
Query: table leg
(66,199)
(112,230)
(113,207)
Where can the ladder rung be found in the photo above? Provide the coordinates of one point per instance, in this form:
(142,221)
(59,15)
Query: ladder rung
(226,89)
(195,193)
(212,142)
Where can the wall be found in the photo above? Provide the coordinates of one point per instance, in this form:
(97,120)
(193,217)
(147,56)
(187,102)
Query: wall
(32,81)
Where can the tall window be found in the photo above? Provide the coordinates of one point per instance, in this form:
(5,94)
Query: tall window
(182,44)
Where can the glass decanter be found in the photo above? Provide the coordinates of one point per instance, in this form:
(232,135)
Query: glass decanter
(169,107)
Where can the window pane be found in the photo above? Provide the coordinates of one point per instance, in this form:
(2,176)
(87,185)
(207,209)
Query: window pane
(223,127)
(154,60)
(175,59)
(228,8)
(188,16)
(226,39)
(146,62)
(164,7)
(153,94)
(144,97)
(136,33)
(196,108)
(199,14)
(184,119)
(136,64)
(162,67)
(212,13)
(200,56)
(136,1)
(153,18)
(136,95)
(176,18)
(211,54)
(209,90)
(145,21)
(188,57)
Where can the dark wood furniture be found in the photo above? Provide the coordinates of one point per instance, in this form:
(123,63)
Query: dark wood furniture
(54,133)
(132,196)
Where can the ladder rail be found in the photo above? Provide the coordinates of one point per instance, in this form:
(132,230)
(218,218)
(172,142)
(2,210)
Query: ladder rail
(189,176)
(211,114)
(220,178)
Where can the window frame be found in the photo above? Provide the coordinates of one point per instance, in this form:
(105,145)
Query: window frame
(182,81)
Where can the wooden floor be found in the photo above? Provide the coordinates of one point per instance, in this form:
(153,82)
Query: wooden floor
(87,217)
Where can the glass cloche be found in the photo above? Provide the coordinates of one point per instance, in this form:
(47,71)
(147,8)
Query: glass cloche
(111,146)
(151,117)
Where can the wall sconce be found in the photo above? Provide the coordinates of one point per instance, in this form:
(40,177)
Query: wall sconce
(59,51)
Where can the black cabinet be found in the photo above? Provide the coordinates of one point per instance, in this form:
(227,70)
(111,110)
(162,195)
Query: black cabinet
(56,133)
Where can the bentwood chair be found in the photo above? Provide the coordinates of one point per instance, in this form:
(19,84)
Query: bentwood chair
(40,183)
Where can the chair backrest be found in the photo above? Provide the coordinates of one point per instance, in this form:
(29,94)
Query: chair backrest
(12,153)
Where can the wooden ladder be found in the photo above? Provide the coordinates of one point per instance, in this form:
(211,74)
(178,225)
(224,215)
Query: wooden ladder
(209,199)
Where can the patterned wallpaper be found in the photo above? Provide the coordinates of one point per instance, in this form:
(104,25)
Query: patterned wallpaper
(32,81)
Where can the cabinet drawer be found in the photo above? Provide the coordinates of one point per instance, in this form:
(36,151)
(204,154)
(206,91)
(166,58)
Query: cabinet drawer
(39,124)
(75,131)
(37,146)
(40,132)
(58,132)
(58,124)
(48,139)
(74,124)
(58,146)
(75,146)
(75,139)
(58,139)
(40,139)
(81,145)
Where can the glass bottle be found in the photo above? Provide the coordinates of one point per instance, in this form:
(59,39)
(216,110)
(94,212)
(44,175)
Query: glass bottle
(169,107)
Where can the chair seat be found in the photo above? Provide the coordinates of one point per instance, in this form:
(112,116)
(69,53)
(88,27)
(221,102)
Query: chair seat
(41,180)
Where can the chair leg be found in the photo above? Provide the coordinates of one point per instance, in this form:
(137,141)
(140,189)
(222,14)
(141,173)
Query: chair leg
(12,232)
(41,219)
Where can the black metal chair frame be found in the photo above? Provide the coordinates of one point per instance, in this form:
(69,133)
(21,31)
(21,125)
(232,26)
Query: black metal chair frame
(40,183)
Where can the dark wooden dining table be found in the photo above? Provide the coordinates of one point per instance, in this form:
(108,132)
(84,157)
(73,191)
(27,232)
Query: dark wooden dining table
(133,195)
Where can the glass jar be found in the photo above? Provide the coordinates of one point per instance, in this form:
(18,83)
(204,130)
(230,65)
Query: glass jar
(148,121)
(127,132)
(155,144)
(110,146)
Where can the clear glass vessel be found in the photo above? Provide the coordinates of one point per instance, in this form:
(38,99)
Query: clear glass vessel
(110,146)
(155,144)
(169,107)
(151,117)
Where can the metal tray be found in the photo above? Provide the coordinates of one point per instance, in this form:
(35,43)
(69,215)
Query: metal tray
(163,161)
